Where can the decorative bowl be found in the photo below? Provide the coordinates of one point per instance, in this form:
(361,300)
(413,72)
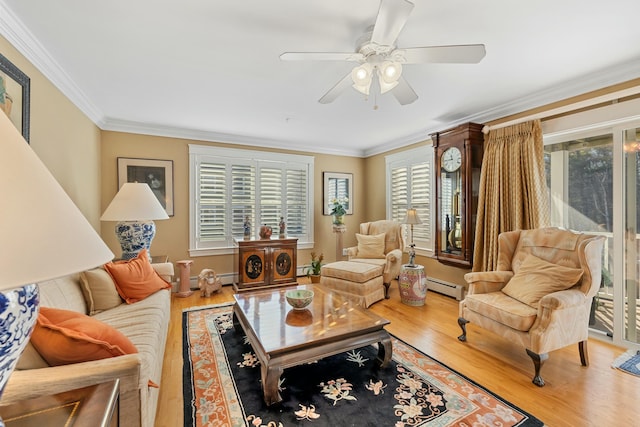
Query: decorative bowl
(299,298)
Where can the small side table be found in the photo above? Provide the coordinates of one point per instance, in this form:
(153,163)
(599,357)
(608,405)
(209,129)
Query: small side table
(413,284)
(93,406)
(185,278)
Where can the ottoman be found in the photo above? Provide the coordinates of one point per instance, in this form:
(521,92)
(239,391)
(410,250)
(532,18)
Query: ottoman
(356,280)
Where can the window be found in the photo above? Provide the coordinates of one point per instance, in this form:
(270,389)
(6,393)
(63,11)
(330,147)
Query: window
(409,185)
(579,175)
(229,185)
(580,179)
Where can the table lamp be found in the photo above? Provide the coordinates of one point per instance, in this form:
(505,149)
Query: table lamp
(43,236)
(134,207)
(412,218)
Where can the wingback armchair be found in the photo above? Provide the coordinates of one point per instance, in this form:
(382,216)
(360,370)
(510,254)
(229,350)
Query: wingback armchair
(540,294)
(387,254)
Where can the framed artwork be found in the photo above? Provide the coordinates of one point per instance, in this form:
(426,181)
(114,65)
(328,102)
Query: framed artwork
(338,186)
(15,89)
(157,173)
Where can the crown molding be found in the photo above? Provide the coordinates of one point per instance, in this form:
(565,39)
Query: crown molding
(119,125)
(588,83)
(21,38)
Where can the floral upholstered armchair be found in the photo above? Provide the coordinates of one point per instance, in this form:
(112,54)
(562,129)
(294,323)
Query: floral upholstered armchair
(540,294)
(380,243)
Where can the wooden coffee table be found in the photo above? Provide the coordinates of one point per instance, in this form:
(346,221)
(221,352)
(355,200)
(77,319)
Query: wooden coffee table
(283,337)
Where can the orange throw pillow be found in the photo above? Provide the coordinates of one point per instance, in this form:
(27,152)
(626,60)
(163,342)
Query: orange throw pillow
(63,337)
(135,278)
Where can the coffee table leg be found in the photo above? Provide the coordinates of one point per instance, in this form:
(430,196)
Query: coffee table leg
(270,380)
(236,323)
(385,351)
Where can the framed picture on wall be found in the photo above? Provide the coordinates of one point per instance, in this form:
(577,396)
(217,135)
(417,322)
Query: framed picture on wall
(157,173)
(337,185)
(15,89)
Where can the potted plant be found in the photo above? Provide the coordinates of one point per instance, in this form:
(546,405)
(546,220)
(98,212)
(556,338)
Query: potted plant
(338,210)
(313,271)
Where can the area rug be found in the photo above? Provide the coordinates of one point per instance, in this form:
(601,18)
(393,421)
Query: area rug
(628,362)
(222,386)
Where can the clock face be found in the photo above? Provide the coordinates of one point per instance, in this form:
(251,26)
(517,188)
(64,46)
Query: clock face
(451,159)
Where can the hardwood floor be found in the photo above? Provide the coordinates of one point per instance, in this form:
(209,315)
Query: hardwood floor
(573,396)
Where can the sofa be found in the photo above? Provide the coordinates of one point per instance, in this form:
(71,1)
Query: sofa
(145,323)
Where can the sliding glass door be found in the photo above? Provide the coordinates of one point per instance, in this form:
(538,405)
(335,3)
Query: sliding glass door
(594,187)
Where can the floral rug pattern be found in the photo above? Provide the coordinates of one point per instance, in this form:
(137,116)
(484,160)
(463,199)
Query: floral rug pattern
(222,386)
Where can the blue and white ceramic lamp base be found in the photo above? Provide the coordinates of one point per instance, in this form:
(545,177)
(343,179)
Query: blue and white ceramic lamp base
(135,236)
(18,315)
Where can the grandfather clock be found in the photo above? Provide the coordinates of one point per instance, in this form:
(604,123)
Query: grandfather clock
(458,161)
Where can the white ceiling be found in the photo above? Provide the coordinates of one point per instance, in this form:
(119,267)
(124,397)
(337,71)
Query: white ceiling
(210,69)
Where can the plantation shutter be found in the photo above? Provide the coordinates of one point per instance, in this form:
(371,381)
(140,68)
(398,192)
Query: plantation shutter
(229,185)
(297,201)
(271,189)
(399,190)
(421,201)
(212,206)
(243,197)
(409,184)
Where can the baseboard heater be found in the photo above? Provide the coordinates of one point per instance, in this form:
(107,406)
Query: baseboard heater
(446,288)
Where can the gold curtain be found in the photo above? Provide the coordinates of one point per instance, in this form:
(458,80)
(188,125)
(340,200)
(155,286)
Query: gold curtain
(513,193)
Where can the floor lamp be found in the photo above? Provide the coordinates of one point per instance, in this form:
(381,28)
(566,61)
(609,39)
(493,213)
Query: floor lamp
(135,207)
(43,236)
(412,218)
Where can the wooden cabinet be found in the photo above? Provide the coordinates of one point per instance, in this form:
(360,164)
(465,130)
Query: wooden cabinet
(458,161)
(265,263)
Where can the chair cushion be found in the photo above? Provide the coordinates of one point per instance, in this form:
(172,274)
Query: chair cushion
(537,278)
(358,272)
(370,246)
(503,309)
(63,337)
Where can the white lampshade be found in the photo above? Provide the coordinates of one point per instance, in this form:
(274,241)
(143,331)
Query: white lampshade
(43,235)
(134,202)
(412,217)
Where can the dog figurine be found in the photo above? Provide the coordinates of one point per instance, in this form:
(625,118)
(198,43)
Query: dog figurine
(208,282)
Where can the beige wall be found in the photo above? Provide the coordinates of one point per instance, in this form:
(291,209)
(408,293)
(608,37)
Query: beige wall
(64,138)
(172,235)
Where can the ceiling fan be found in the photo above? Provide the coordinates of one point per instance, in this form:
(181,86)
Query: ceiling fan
(380,58)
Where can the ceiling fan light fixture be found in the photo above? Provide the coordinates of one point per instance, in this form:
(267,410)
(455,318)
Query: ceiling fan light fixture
(386,87)
(361,76)
(390,71)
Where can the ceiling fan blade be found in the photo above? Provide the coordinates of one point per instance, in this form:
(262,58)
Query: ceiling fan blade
(321,56)
(404,93)
(461,54)
(335,91)
(392,16)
